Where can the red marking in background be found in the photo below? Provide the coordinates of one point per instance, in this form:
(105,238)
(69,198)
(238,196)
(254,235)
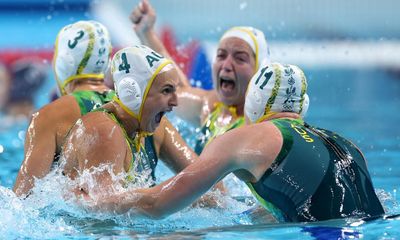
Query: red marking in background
(184,55)
(7,57)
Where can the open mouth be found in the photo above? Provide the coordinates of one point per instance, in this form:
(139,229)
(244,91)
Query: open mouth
(159,117)
(227,85)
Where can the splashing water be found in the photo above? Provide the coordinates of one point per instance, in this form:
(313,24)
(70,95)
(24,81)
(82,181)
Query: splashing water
(48,212)
(27,219)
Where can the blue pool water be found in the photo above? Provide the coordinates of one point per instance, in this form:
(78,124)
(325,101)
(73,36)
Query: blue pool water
(358,103)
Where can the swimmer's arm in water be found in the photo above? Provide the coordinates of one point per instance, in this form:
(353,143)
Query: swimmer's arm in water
(175,153)
(195,180)
(41,141)
(39,150)
(170,196)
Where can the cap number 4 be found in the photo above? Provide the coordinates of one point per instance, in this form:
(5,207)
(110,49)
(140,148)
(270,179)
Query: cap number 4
(124,65)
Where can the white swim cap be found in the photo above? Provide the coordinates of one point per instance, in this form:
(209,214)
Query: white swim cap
(276,88)
(82,50)
(134,70)
(256,39)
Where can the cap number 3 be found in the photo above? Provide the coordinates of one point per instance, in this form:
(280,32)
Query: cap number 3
(73,44)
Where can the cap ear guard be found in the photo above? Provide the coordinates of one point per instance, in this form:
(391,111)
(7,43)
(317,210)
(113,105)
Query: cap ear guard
(64,63)
(130,93)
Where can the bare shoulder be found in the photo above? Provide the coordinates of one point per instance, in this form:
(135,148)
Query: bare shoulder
(64,109)
(95,139)
(62,104)
(247,151)
(248,146)
(258,134)
(99,125)
(56,117)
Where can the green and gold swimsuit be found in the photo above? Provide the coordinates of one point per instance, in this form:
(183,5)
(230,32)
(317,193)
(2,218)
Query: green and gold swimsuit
(318,175)
(90,100)
(144,158)
(211,130)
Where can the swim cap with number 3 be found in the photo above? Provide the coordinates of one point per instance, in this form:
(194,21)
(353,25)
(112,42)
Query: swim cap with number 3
(82,50)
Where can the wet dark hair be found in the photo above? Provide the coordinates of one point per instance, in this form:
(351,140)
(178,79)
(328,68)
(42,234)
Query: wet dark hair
(28,75)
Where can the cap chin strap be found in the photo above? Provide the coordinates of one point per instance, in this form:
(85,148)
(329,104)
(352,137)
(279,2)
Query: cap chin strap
(136,141)
(126,109)
(270,114)
(265,116)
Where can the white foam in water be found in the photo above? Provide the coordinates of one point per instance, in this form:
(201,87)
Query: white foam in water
(20,219)
(47,211)
(388,201)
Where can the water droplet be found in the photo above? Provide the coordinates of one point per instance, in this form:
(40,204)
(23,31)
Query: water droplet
(16,143)
(1,148)
(243,5)
(21,135)
(198,84)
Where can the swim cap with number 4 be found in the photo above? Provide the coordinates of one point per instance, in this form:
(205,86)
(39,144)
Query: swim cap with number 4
(276,88)
(134,70)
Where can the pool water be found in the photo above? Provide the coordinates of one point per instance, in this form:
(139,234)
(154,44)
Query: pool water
(360,104)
